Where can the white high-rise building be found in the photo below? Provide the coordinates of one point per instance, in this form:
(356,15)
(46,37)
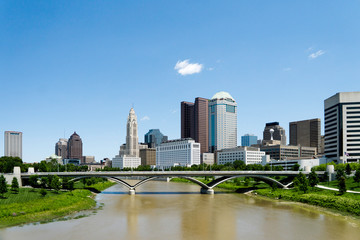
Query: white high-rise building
(180,152)
(342,127)
(129,154)
(222,122)
(13,144)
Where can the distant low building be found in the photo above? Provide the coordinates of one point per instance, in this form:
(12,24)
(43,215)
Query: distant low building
(148,156)
(126,162)
(304,163)
(282,152)
(248,139)
(208,158)
(88,159)
(249,155)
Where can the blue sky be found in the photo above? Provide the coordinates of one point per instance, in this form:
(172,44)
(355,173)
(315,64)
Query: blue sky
(80,65)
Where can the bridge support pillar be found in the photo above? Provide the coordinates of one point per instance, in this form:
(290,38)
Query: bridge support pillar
(207,191)
(132,192)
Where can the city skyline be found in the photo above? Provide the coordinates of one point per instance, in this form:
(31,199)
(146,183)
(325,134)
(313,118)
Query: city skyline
(64,70)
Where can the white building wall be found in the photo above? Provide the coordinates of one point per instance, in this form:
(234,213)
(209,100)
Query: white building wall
(126,162)
(247,156)
(178,152)
(13,144)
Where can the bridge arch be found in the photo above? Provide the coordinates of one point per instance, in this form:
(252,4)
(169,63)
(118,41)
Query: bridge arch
(265,179)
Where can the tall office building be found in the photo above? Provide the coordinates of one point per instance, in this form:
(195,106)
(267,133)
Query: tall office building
(195,123)
(278,133)
(342,127)
(61,148)
(13,144)
(75,150)
(222,122)
(306,133)
(248,140)
(154,138)
(132,140)
(129,152)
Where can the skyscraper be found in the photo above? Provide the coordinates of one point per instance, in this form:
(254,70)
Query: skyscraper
(248,140)
(195,123)
(154,137)
(61,148)
(75,150)
(132,140)
(278,134)
(129,152)
(222,122)
(307,133)
(342,127)
(13,144)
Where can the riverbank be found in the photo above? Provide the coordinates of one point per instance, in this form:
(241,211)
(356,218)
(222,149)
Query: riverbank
(30,206)
(348,203)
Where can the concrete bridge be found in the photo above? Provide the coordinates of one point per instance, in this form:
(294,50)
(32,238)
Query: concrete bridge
(220,177)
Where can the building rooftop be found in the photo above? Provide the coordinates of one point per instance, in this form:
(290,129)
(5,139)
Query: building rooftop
(222,95)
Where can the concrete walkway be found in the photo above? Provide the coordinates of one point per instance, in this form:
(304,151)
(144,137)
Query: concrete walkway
(335,189)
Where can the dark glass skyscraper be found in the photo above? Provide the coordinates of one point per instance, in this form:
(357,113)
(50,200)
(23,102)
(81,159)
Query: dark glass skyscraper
(154,137)
(75,147)
(195,123)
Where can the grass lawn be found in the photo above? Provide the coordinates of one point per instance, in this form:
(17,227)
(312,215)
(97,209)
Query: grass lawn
(29,206)
(350,184)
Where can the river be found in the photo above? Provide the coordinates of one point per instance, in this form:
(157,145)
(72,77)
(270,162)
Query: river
(162,210)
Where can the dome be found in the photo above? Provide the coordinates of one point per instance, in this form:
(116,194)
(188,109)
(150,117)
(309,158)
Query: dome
(222,95)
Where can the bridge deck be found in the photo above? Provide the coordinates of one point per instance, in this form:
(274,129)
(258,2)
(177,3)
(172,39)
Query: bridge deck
(170,173)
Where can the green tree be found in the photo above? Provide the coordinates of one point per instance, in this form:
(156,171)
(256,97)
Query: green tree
(44,182)
(348,169)
(247,181)
(340,173)
(33,181)
(15,185)
(239,165)
(342,185)
(296,167)
(3,186)
(55,183)
(357,177)
(301,182)
(43,192)
(313,178)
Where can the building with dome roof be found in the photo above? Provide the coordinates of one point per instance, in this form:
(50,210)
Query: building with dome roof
(222,122)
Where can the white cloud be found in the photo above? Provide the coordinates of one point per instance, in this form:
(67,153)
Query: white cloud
(186,68)
(316,54)
(210,69)
(145,118)
(287,69)
(173,111)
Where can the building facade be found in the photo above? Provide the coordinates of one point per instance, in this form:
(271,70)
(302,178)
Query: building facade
(129,153)
(249,155)
(148,156)
(249,139)
(75,147)
(282,152)
(61,148)
(222,122)
(13,144)
(154,138)
(195,123)
(180,152)
(277,132)
(342,127)
(306,133)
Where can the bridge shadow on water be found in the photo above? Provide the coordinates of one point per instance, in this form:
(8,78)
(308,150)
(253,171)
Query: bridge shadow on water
(160,193)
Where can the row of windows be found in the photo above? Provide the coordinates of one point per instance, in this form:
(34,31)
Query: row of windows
(353,108)
(352,116)
(356,112)
(353,121)
(331,110)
